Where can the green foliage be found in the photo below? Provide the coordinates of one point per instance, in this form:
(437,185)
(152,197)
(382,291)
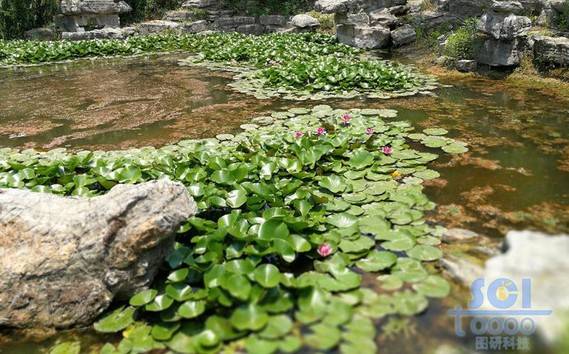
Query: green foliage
(339,74)
(18,16)
(461,44)
(268,7)
(562,19)
(220,47)
(327,22)
(252,274)
(149,9)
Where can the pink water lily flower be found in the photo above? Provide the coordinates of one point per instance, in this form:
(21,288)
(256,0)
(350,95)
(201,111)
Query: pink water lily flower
(324,250)
(346,118)
(320,131)
(387,150)
(370,131)
(298,134)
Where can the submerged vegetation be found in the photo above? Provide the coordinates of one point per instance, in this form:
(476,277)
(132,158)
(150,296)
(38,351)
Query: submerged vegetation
(301,223)
(292,65)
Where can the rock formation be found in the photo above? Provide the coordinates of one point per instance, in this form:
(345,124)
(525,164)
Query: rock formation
(505,34)
(88,15)
(369,24)
(63,260)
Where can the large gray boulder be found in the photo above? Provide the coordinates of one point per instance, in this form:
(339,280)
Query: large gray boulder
(63,260)
(101,7)
(403,35)
(305,21)
(551,52)
(501,26)
(363,36)
(543,259)
(494,52)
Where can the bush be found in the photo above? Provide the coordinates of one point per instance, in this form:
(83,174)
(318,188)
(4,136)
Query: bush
(268,7)
(562,20)
(18,16)
(149,9)
(462,43)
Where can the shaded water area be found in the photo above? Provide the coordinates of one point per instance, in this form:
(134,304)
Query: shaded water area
(516,175)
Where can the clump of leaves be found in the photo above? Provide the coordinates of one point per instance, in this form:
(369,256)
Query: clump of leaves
(462,42)
(251,268)
(339,74)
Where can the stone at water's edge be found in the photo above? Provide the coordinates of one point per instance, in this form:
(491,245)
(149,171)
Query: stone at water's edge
(63,260)
(543,259)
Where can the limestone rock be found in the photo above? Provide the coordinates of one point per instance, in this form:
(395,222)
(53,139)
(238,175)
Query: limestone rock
(195,27)
(494,52)
(105,33)
(504,26)
(365,37)
(551,52)
(403,35)
(334,6)
(63,260)
(507,7)
(543,259)
(272,20)
(383,18)
(102,7)
(460,235)
(305,21)
(157,26)
(40,34)
(200,4)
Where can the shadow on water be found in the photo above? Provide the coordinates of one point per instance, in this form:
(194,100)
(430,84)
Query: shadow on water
(515,176)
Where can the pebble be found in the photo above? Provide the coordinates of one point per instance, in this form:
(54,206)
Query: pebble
(459,235)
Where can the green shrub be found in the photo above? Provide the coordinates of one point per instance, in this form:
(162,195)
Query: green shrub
(327,23)
(149,9)
(562,20)
(268,7)
(461,44)
(18,16)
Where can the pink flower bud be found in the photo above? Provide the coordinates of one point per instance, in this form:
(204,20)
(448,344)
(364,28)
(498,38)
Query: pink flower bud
(320,131)
(324,250)
(387,150)
(370,131)
(298,134)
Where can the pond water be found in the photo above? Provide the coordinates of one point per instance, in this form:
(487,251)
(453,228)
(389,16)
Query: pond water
(516,175)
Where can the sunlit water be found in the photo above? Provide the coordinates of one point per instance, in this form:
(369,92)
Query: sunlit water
(516,175)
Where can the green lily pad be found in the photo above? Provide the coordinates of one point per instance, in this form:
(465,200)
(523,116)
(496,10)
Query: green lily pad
(249,317)
(116,321)
(425,253)
(376,261)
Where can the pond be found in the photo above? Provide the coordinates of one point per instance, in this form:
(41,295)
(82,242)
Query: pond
(515,175)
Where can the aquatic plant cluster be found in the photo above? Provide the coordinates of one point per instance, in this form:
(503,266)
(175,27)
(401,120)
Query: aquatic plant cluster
(295,66)
(311,227)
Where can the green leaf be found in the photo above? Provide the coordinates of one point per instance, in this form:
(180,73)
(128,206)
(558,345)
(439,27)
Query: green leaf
(237,285)
(249,317)
(342,220)
(236,198)
(267,275)
(277,327)
(66,348)
(425,253)
(160,303)
(376,261)
(143,297)
(333,183)
(191,309)
(116,321)
(273,229)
